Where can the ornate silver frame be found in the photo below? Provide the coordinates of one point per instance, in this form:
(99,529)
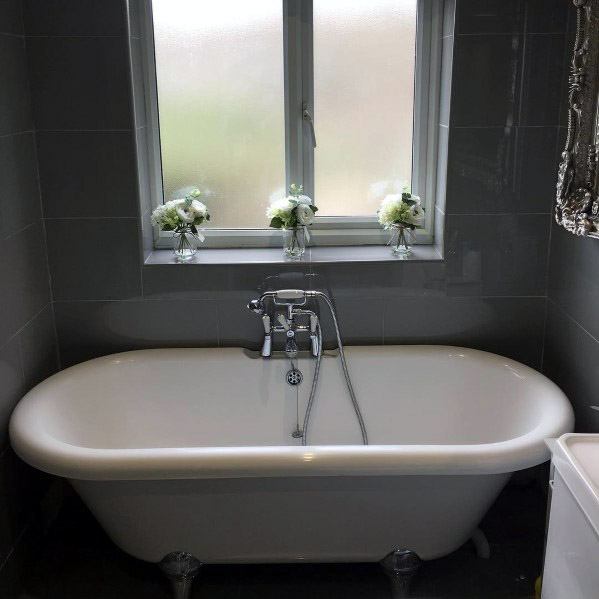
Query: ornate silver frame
(577,207)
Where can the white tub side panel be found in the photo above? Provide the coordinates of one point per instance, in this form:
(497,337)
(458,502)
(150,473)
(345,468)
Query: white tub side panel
(320,519)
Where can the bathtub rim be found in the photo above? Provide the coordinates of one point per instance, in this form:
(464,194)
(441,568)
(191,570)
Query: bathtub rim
(45,452)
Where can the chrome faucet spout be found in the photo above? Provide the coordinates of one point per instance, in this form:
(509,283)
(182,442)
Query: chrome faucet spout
(291,348)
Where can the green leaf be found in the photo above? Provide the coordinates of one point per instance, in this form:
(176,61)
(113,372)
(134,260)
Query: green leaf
(409,202)
(276,223)
(314,209)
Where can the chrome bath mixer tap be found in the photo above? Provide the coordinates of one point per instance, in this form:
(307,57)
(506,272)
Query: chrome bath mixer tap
(287,321)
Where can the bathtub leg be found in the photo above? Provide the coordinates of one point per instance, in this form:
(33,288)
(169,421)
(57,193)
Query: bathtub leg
(181,569)
(481,544)
(400,566)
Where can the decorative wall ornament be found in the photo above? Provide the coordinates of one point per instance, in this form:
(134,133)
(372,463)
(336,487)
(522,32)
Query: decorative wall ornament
(577,207)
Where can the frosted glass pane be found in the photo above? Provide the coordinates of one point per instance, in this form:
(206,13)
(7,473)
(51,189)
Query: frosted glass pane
(364,54)
(221,103)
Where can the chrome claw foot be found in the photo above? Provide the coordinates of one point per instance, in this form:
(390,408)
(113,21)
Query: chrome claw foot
(181,569)
(401,566)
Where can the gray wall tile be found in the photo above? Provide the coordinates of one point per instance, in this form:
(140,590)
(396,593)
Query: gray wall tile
(12,388)
(74,17)
(182,281)
(38,348)
(11,17)
(512,327)
(94,259)
(572,284)
(512,16)
(90,329)
(19,190)
(543,72)
(24,293)
(360,321)
(547,16)
(20,489)
(15,110)
(488,96)
(570,359)
(497,255)
(237,326)
(24,276)
(80,82)
(501,169)
(88,173)
(379,279)
(490,16)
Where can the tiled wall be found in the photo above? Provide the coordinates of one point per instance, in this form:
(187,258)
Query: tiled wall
(572,335)
(572,338)
(28,350)
(489,293)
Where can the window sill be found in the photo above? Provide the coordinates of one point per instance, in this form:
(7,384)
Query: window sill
(324,254)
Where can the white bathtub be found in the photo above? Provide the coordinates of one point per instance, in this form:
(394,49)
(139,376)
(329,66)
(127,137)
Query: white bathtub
(190,449)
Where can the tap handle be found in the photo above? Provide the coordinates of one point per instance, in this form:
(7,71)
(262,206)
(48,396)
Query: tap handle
(266,323)
(255,305)
(313,323)
(283,321)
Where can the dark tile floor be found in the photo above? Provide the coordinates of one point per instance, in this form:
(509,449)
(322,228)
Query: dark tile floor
(77,561)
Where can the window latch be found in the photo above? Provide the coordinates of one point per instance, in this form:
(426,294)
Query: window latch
(307,117)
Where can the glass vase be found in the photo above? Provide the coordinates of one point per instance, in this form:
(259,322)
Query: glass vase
(294,242)
(185,244)
(401,240)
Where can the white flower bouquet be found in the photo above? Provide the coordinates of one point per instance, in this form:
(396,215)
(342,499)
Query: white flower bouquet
(401,212)
(293,214)
(183,216)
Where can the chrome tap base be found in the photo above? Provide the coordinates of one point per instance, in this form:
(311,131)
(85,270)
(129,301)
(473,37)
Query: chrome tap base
(400,566)
(181,569)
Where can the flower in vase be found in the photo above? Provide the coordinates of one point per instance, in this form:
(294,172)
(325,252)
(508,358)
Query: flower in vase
(292,211)
(187,212)
(401,209)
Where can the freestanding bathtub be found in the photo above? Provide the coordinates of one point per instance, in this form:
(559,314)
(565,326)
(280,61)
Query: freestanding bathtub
(191,449)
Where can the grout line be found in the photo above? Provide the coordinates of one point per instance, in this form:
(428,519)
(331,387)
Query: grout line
(23,327)
(139,299)
(563,311)
(16,133)
(17,35)
(14,234)
(498,214)
(76,36)
(135,218)
(126,130)
(544,335)
(503,127)
(509,33)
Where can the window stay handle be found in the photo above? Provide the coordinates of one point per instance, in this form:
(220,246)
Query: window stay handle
(307,118)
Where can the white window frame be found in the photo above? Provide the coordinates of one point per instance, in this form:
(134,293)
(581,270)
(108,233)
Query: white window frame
(299,156)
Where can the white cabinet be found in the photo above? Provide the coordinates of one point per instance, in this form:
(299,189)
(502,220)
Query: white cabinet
(572,554)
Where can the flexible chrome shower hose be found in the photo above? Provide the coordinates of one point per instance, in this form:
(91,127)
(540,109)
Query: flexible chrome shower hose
(348,382)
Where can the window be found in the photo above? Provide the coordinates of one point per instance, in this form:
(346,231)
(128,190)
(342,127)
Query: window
(338,95)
